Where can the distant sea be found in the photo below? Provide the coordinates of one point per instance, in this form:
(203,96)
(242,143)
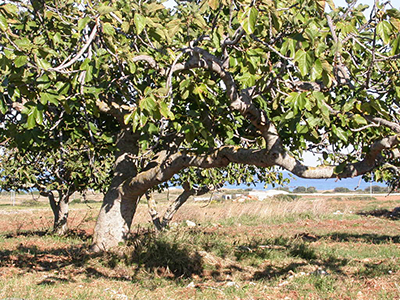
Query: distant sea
(319,184)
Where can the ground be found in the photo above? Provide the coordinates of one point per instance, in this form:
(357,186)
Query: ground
(313,247)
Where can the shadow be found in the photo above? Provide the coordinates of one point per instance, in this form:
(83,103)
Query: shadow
(52,280)
(38,233)
(173,258)
(364,238)
(72,233)
(383,213)
(170,259)
(299,247)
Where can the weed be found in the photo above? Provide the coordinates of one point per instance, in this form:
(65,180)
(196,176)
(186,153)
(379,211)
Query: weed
(285,197)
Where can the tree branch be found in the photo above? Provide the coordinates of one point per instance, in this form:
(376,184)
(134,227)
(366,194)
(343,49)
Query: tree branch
(81,52)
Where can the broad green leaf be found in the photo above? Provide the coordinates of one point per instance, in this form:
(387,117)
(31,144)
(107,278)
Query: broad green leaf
(316,70)
(43,64)
(384,30)
(48,98)
(393,12)
(340,168)
(359,119)
(125,26)
(104,9)
(248,19)
(148,104)
(23,43)
(340,133)
(82,23)
(152,7)
(304,61)
(297,101)
(214,4)
(20,61)
(3,23)
(140,22)
(108,29)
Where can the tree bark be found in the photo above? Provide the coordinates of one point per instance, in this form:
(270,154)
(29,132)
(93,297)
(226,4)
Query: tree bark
(173,208)
(153,212)
(119,204)
(175,205)
(60,210)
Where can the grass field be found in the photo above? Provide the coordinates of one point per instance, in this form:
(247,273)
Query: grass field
(311,248)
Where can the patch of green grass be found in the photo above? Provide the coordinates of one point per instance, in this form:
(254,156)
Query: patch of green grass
(323,285)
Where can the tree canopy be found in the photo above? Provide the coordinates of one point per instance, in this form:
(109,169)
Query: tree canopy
(234,87)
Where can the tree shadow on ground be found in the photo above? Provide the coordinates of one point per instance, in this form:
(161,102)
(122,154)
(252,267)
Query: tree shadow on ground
(383,213)
(299,247)
(158,257)
(173,259)
(369,238)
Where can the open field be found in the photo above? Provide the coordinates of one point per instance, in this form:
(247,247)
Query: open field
(316,247)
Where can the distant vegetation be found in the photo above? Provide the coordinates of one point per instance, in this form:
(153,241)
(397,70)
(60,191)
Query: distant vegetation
(303,189)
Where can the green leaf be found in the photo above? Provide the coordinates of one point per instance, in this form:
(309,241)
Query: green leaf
(304,61)
(125,26)
(3,23)
(82,23)
(340,168)
(20,61)
(248,19)
(393,12)
(316,70)
(297,101)
(148,104)
(43,64)
(49,98)
(214,4)
(108,29)
(165,111)
(340,133)
(104,9)
(359,119)
(384,30)
(23,44)
(140,22)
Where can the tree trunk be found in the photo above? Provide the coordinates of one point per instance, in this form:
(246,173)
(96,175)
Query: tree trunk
(151,203)
(115,218)
(119,206)
(173,208)
(60,210)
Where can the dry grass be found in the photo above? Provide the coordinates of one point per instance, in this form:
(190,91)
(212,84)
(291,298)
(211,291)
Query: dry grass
(311,248)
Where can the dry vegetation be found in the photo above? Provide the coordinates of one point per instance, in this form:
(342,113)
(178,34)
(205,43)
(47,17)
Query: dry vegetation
(310,248)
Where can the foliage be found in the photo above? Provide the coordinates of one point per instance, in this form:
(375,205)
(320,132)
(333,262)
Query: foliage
(303,189)
(376,189)
(66,97)
(341,190)
(55,170)
(285,197)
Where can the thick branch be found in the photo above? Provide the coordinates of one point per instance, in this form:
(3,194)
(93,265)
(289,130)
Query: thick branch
(351,170)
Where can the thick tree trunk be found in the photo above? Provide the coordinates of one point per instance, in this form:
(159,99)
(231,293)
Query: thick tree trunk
(119,205)
(115,218)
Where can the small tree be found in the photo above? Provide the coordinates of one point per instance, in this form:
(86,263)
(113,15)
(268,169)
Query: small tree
(341,190)
(55,174)
(300,189)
